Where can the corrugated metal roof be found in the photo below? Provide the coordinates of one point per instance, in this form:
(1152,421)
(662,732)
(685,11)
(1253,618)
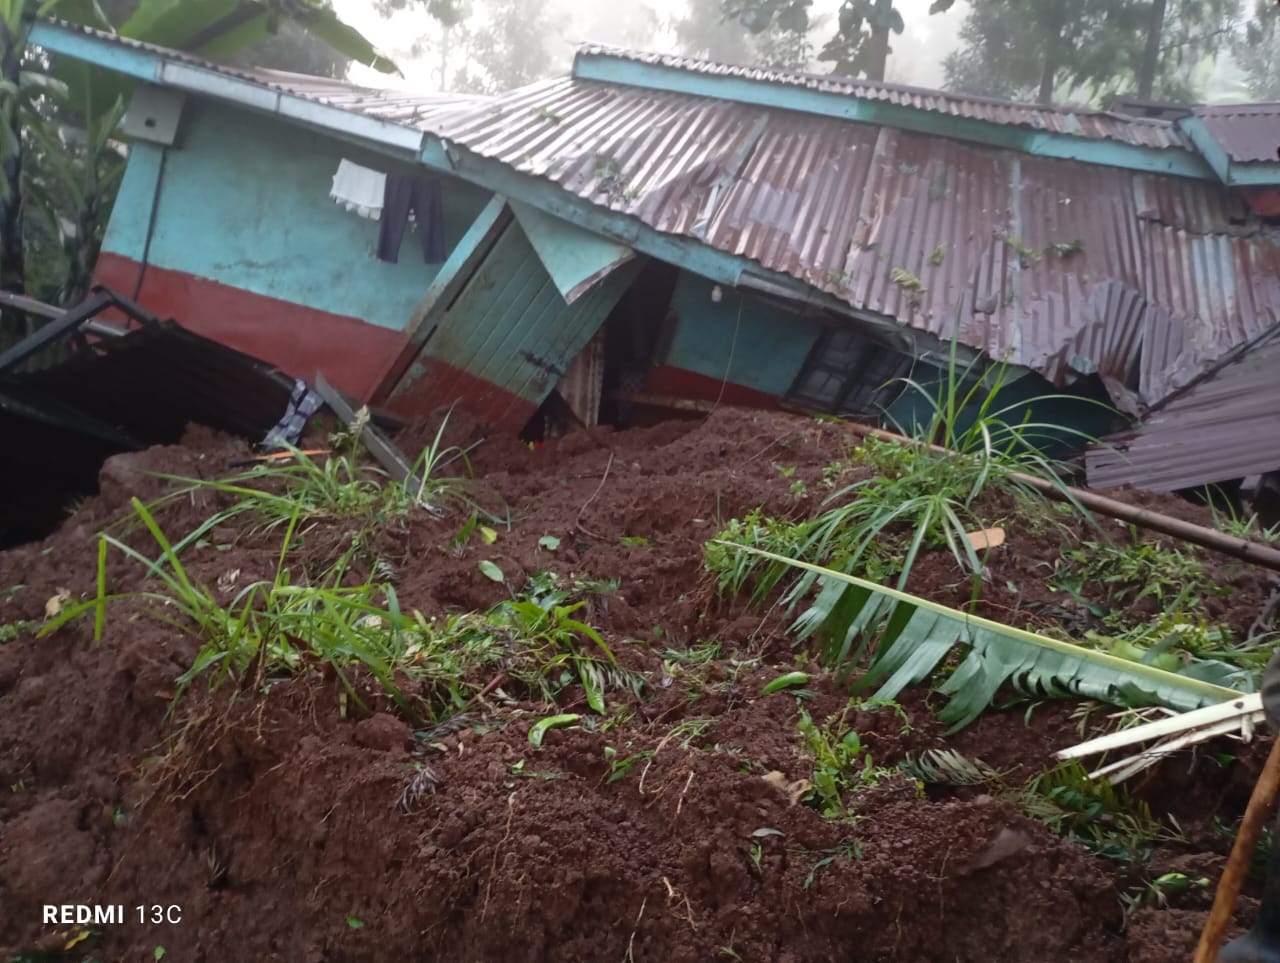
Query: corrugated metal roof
(1223,428)
(396,106)
(1097,124)
(416,110)
(1249,133)
(156,379)
(915,227)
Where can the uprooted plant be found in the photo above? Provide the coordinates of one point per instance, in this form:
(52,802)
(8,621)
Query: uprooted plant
(892,639)
(1080,808)
(430,668)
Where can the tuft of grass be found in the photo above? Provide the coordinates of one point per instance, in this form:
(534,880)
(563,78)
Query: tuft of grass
(556,649)
(1172,577)
(335,487)
(922,498)
(11,631)
(1239,525)
(430,668)
(1092,812)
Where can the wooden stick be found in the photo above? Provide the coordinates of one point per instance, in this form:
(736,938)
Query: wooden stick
(1255,816)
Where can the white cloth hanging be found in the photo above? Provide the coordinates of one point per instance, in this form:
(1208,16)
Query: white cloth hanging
(359,189)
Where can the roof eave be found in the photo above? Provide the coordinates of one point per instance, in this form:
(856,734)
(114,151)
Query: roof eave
(1229,172)
(604,68)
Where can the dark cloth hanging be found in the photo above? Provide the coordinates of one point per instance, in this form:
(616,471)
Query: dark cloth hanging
(425,198)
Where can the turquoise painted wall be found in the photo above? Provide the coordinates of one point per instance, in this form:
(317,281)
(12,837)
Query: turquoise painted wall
(771,342)
(244,200)
(510,325)
(1078,413)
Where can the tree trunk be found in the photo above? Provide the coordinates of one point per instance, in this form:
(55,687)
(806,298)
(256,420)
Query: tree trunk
(82,252)
(1052,55)
(877,54)
(1151,53)
(446,34)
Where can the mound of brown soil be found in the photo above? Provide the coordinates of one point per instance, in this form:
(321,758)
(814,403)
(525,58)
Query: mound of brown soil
(278,821)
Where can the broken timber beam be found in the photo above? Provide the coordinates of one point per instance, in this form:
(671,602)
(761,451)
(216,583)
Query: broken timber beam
(1241,548)
(383,450)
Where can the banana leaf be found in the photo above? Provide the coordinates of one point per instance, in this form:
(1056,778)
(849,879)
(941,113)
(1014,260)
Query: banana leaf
(902,639)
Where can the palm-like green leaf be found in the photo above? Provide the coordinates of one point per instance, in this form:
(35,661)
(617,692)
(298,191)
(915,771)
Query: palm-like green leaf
(324,24)
(218,28)
(902,639)
(87,12)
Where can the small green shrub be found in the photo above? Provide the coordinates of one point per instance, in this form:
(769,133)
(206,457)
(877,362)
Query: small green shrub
(1127,574)
(333,487)
(842,764)
(921,498)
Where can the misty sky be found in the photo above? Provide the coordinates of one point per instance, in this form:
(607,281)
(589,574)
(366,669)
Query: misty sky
(917,56)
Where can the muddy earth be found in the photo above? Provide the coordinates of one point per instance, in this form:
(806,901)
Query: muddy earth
(274,824)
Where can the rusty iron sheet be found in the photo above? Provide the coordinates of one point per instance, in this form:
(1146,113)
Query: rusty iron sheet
(1060,266)
(1222,428)
(1249,133)
(1096,124)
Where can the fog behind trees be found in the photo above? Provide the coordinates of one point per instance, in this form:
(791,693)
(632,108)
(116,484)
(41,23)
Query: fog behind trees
(1054,51)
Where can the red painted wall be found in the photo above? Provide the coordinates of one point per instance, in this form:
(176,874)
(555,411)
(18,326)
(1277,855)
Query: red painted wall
(442,385)
(680,383)
(299,340)
(353,355)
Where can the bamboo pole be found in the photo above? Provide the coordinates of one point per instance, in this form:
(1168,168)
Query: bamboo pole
(1224,900)
(1241,548)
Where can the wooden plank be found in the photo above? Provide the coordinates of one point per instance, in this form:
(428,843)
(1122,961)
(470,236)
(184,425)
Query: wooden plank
(383,450)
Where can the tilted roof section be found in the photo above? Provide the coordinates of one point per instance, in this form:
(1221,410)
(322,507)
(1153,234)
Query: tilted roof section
(193,73)
(592,61)
(1240,142)
(1055,265)
(1222,428)
(1248,133)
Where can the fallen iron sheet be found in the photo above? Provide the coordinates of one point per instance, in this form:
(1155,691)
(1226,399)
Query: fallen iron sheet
(1220,429)
(152,382)
(62,323)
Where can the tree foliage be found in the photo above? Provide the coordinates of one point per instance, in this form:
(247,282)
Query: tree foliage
(860,46)
(1045,49)
(509,49)
(1258,51)
(714,31)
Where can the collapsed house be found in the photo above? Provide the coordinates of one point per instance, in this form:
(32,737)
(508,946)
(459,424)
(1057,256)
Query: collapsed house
(654,227)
